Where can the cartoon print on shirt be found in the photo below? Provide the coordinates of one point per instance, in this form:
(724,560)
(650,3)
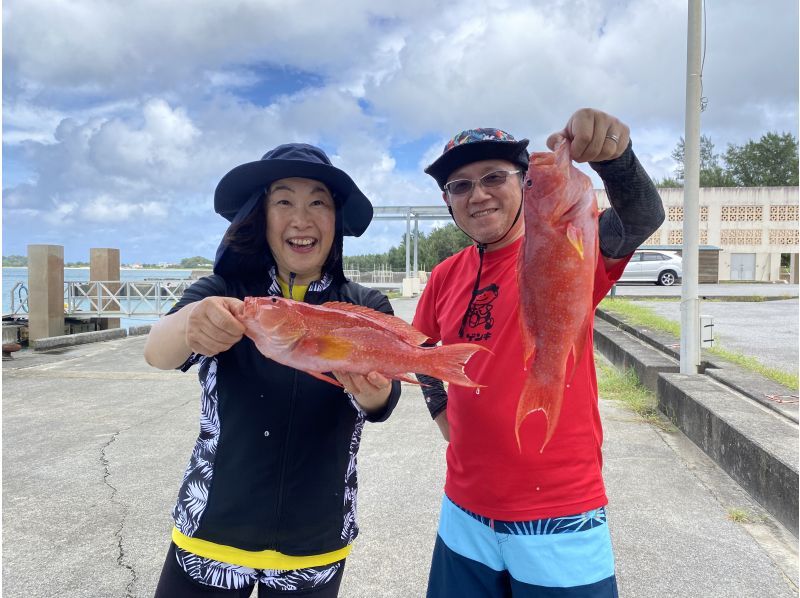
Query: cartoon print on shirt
(480,312)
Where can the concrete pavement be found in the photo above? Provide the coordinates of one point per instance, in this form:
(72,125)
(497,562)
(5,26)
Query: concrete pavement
(95,443)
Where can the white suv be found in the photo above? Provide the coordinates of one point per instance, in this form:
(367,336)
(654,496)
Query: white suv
(660,267)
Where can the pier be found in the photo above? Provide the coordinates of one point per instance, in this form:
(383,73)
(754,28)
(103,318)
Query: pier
(48,307)
(96,443)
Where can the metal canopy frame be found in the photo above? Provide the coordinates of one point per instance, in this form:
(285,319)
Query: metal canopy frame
(409,213)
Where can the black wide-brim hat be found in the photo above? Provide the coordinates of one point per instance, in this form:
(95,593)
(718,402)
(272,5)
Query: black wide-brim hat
(473,145)
(294,160)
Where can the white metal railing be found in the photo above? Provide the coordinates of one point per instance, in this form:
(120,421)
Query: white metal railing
(376,276)
(19,299)
(112,298)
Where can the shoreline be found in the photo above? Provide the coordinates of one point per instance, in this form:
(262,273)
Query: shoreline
(121,268)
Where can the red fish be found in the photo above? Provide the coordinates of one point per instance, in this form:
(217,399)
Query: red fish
(556,277)
(350,338)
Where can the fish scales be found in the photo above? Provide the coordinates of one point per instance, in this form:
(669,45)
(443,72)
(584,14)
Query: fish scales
(344,337)
(555,273)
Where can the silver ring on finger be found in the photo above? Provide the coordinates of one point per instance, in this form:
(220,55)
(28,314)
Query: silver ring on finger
(612,137)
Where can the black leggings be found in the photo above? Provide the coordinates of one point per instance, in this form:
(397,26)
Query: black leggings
(175,583)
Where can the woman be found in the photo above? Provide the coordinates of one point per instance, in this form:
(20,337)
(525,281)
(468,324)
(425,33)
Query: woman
(269,496)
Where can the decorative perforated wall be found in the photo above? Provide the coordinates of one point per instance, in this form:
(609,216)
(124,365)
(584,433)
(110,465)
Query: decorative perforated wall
(785,236)
(740,237)
(783,213)
(676,237)
(654,239)
(675,213)
(742,213)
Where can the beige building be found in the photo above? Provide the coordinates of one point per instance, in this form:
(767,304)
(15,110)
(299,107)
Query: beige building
(753,226)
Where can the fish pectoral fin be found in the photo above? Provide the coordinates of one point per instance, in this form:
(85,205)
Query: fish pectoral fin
(575,238)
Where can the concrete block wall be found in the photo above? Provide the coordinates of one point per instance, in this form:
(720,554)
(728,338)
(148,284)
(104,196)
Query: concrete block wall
(728,214)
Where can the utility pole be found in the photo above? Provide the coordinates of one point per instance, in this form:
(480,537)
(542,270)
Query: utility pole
(408,244)
(690,304)
(416,246)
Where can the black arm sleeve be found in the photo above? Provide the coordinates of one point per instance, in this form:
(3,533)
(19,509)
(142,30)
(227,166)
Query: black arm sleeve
(636,210)
(378,301)
(433,391)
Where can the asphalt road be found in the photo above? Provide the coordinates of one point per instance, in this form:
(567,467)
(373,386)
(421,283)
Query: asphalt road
(750,289)
(95,444)
(766,330)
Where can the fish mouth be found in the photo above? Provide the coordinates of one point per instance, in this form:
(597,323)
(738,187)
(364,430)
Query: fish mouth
(302,244)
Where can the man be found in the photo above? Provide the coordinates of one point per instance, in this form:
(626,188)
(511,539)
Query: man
(520,522)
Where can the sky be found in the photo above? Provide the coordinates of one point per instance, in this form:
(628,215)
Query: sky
(120,118)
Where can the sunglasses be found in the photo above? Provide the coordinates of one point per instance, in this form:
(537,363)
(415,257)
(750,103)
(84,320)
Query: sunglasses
(462,188)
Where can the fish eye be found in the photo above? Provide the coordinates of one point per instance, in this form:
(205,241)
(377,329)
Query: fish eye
(274,300)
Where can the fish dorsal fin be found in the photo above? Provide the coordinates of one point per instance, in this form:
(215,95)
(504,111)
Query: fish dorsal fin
(400,327)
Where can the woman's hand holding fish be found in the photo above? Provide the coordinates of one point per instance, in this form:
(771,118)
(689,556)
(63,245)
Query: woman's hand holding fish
(371,391)
(594,136)
(212,326)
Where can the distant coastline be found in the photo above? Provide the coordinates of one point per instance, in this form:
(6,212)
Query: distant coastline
(121,268)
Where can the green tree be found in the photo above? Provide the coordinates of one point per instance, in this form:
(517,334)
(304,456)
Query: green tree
(14,261)
(196,262)
(442,243)
(667,183)
(769,162)
(712,173)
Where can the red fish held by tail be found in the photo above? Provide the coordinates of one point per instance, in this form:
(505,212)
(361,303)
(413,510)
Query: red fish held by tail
(555,273)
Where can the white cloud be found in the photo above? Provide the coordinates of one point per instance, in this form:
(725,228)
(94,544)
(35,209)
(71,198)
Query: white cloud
(108,209)
(126,115)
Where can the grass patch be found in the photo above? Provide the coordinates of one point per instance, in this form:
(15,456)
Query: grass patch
(716,299)
(739,515)
(643,317)
(751,363)
(749,298)
(638,315)
(625,388)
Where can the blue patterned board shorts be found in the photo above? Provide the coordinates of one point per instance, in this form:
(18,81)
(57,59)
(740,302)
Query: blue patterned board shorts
(564,557)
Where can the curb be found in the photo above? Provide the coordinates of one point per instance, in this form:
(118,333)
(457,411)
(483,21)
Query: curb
(82,338)
(750,384)
(759,452)
(757,448)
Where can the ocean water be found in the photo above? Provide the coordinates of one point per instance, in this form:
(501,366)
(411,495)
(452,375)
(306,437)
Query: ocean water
(11,276)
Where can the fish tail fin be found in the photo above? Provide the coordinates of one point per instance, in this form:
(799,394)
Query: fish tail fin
(447,363)
(538,397)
